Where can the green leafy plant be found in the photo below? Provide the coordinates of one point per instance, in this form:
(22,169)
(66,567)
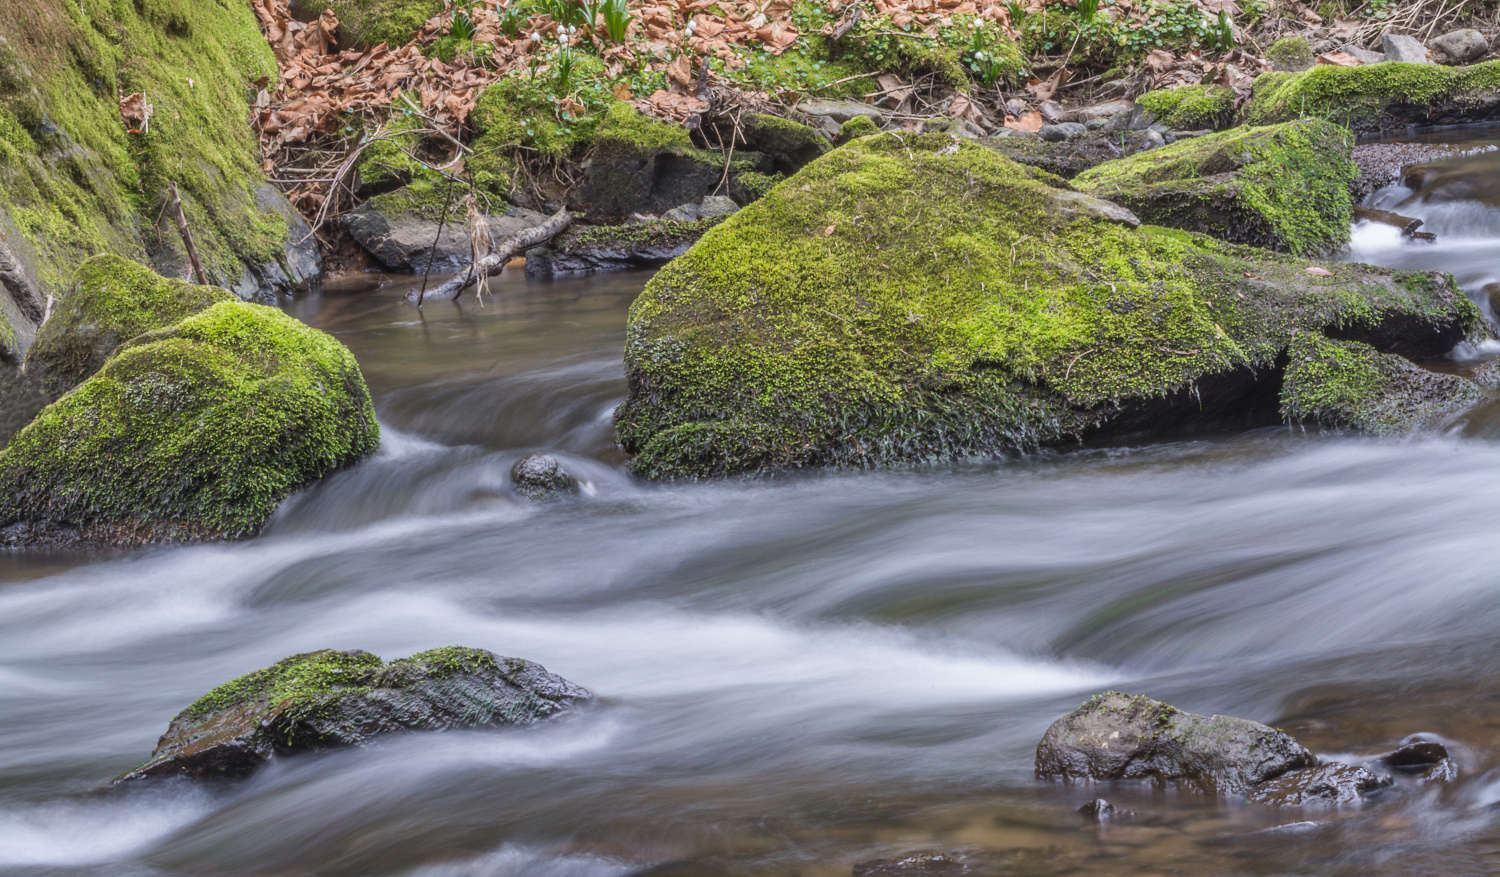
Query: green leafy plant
(562,71)
(512,19)
(983,60)
(617,19)
(466,19)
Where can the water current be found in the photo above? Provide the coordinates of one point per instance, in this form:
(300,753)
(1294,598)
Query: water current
(794,676)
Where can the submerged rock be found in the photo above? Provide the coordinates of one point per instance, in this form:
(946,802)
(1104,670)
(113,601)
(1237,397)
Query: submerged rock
(330,699)
(1285,187)
(1331,785)
(541,476)
(998,315)
(1119,737)
(616,247)
(1474,177)
(1100,810)
(194,431)
(1378,97)
(925,862)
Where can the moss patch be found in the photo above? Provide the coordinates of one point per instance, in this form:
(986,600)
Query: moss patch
(194,431)
(813,329)
(1348,385)
(1281,186)
(855,128)
(1190,107)
(369,22)
(1372,96)
(1290,54)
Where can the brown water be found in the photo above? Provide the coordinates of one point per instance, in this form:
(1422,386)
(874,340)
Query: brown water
(796,676)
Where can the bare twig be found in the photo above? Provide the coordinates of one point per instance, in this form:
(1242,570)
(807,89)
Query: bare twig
(495,262)
(187,234)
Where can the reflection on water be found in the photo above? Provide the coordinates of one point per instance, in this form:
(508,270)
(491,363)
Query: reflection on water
(794,676)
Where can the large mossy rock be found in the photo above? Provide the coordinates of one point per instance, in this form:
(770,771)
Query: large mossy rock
(1374,97)
(371,22)
(910,297)
(195,431)
(1285,187)
(110,302)
(643,166)
(1119,737)
(1190,107)
(330,699)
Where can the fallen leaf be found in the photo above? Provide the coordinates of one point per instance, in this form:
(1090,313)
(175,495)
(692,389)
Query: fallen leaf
(829,230)
(1339,59)
(1250,276)
(1028,121)
(1319,272)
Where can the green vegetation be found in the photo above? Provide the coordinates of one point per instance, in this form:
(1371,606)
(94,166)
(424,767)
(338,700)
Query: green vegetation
(1190,107)
(1349,385)
(1363,95)
(1290,54)
(855,128)
(198,430)
(1282,186)
(369,22)
(810,329)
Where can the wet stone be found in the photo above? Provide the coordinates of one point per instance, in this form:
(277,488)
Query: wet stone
(1331,785)
(912,863)
(541,476)
(1100,810)
(1427,759)
(1460,46)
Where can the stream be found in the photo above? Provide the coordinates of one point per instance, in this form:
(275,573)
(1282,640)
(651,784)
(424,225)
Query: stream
(794,676)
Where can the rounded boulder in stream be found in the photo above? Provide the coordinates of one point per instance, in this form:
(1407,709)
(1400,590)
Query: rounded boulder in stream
(329,699)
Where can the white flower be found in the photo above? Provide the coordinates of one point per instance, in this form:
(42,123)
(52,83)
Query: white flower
(692,25)
(562,38)
(536,36)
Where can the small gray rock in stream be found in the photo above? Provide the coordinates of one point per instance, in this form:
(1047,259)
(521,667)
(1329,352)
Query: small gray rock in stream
(1329,785)
(913,863)
(1100,810)
(1061,131)
(1116,736)
(540,476)
(1461,46)
(1402,49)
(1428,759)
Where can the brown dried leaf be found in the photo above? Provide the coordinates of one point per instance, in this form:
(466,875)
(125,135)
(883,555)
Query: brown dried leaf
(1318,272)
(1339,59)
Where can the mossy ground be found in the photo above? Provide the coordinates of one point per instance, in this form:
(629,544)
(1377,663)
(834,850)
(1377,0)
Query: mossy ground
(369,22)
(912,297)
(1281,186)
(198,430)
(1190,107)
(1371,94)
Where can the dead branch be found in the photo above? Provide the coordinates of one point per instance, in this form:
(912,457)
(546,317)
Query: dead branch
(495,262)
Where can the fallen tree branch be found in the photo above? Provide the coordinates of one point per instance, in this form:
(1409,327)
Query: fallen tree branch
(493,263)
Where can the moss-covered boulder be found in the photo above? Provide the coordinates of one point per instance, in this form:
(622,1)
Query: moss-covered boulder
(909,297)
(1116,736)
(1066,158)
(1285,187)
(330,699)
(1347,385)
(855,128)
(110,302)
(1290,55)
(195,431)
(1190,107)
(1374,97)
(371,22)
(791,144)
(640,165)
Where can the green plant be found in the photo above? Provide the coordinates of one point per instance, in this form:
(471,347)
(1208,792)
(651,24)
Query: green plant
(983,59)
(465,19)
(617,19)
(562,70)
(512,18)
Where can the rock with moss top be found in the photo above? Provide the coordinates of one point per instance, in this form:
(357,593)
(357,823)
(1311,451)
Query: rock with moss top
(1378,97)
(370,22)
(196,431)
(405,230)
(112,300)
(790,143)
(1067,159)
(855,128)
(1117,736)
(616,247)
(1290,54)
(1190,107)
(643,166)
(1285,187)
(1004,312)
(331,699)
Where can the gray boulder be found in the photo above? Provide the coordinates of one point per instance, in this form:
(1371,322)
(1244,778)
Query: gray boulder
(541,476)
(330,699)
(1061,131)
(399,229)
(1403,49)
(1328,785)
(840,111)
(1460,46)
(1117,736)
(1364,55)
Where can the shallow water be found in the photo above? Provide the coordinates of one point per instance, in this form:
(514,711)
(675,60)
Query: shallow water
(795,676)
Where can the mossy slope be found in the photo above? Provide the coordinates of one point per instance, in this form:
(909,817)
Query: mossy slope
(1281,186)
(911,297)
(196,431)
(326,699)
(1376,96)
(111,301)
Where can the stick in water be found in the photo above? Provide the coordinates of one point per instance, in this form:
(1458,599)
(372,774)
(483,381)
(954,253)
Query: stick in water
(187,235)
(442,220)
(495,261)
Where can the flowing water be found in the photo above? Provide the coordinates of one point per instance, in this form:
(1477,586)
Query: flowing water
(794,676)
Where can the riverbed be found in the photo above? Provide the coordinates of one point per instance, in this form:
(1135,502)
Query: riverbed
(795,675)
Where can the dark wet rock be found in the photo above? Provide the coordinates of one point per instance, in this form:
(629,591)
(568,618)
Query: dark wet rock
(616,247)
(1066,159)
(21,398)
(1382,164)
(640,165)
(1330,785)
(541,476)
(1427,759)
(913,863)
(1137,118)
(1100,810)
(1119,737)
(399,229)
(1474,177)
(1460,46)
(1236,186)
(1403,49)
(330,699)
(297,266)
(1061,131)
(791,144)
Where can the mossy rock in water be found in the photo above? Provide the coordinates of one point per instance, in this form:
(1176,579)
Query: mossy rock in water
(1374,97)
(1281,186)
(640,165)
(909,297)
(370,22)
(1347,385)
(112,300)
(1115,736)
(329,699)
(1190,107)
(195,431)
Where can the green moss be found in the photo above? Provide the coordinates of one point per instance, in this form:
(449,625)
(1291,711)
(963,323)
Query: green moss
(1281,186)
(1290,54)
(111,301)
(369,22)
(791,144)
(194,431)
(1366,95)
(855,128)
(626,149)
(388,163)
(1190,107)
(1349,385)
(811,329)
(518,116)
